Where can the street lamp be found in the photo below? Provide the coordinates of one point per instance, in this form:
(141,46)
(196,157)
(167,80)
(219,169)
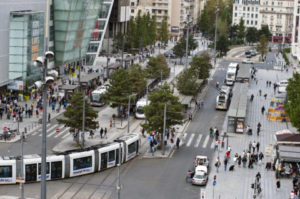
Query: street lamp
(187,39)
(215,44)
(128,117)
(42,62)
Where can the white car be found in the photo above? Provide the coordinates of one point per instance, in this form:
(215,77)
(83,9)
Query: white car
(200,177)
(247,61)
(282,86)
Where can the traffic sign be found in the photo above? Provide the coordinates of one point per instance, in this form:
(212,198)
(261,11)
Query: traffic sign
(214,182)
(219,141)
(202,194)
(57,130)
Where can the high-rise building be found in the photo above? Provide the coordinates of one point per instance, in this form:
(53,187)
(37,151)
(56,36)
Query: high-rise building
(295,48)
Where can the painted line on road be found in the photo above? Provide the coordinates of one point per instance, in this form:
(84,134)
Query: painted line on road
(190,140)
(50,129)
(49,135)
(205,141)
(61,133)
(184,135)
(212,144)
(198,141)
(48,125)
(66,135)
(36,132)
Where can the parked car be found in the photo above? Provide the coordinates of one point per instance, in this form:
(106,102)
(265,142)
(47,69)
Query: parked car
(282,86)
(200,177)
(247,61)
(253,53)
(201,160)
(169,54)
(248,52)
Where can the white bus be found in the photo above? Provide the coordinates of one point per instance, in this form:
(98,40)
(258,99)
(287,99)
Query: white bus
(96,99)
(223,99)
(234,65)
(140,113)
(230,76)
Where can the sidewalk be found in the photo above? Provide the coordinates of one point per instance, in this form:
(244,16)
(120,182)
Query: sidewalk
(240,179)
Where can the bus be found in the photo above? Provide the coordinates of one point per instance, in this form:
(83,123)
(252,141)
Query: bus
(139,113)
(223,99)
(230,76)
(96,99)
(234,65)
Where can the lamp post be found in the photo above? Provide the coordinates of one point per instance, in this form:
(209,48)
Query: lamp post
(43,62)
(22,158)
(128,119)
(123,43)
(187,39)
(119,173)
(164,129)
(215,44)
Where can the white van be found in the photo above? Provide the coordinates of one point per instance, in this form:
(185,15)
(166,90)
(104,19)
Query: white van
(140,113)
(282,86)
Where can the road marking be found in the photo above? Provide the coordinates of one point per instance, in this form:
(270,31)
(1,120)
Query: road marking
(198,141)
(36,132)
(212,144)
(49,135)
(50,129)
(190,140)
(48,125)
(66,135)
(61,133)
(184,135)
(205,141)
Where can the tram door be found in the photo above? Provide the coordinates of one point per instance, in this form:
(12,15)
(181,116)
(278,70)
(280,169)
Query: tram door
(104,160)
(30,172)
(56,170)
(117,156)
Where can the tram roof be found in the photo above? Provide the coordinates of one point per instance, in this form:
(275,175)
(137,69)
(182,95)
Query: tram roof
(244,71)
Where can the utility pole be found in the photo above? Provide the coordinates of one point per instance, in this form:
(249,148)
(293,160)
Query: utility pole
(164,130)
(215,44)
(123,43)
(187,39)
(107,70)
(83,120)
(22,158)
(128,119)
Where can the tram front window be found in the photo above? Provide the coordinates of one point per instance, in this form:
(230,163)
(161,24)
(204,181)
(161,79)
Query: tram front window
(31,173)
(81,163)
(56,170)
(132,148)
(5,171)
(47,168)
(140,110)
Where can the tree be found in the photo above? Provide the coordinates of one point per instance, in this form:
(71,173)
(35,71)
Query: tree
(138,78)
(292,107)
(223,44)
(120,87)
(265,31)
(73,115)
(203,23)
(157,67)
(251,35)
(118,41)
(164,30)
(179,48)
(131,34)
(192,44)
(233,31)
(153,30)
(155,110)
(262,46)
(241,29)
(200,66)
(187,83)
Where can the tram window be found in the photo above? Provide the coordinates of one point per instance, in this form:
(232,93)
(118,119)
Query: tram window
(30,171)
(5,171)
(132,148)
(56,170)
(111,156)
(104,160)
(81,163)
(47,168)
(117,157)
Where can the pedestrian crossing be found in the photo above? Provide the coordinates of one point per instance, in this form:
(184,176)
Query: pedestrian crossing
(199,140)
(52,131)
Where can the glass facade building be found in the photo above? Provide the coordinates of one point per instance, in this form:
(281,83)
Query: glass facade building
(26,43)
(74,22)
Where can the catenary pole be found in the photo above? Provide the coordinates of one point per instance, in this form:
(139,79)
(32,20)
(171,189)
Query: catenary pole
(215,43)
(164,129)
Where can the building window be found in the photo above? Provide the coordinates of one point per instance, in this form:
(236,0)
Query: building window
(235,14)
(251,22)
(248,9)
(244,8)
(247,22)
(252,8)
(132,10)
(235,7)
(256,15)
(251,15)
(255,22)
(132,4)
(248,15)
(159,11)
(256,9)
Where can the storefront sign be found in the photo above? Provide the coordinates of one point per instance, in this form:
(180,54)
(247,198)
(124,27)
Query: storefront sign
(16,85)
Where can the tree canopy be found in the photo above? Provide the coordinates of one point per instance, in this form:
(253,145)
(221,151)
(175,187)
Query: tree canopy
(138,78)
(187,83)
(73,115)
(292,107)
(223,44)
(155,110)
(251,35)
(201,66)
(262,46)
(164,30)
(157,67)
(241,29)
(264,31)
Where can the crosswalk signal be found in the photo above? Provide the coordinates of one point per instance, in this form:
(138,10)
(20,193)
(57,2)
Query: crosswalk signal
(215,177)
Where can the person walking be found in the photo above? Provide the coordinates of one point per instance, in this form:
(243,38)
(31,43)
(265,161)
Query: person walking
(211,132)
(258,128)
(218,164)
(217,134)
(253,146)
(250,145)
(105,132)
(277,185)
(262,109)
(244,160)
(259,92)
(225,163)
(239,160)
(101,132)
(49,117)
(177,143)
(265,96)
(257,146)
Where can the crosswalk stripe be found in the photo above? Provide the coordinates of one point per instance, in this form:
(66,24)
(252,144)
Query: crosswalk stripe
(50,129)
(67,134)
(205,141)
(190,140)
(198,141)
(184,136)
(49,135)
(48,125)
(212,144)
(61,133)
(36,132)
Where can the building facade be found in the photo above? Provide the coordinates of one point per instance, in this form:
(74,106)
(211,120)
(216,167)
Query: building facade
(276,14)
(295,50)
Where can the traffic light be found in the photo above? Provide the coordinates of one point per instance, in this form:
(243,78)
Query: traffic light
(215,177)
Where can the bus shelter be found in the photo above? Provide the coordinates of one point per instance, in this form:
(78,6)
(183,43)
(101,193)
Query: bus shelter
(90,80)
(243,75)
(68,90)
(238,109)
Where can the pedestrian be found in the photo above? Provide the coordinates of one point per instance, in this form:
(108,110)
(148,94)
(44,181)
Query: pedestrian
(101,132)
(265,95)
(211,132)
(225,164)
(218,164)
(252,97)
(262,109)
(257,146)
(277,185)
(91,133)
(217,134)
(216,145)
(177,143)
(258,128)
(259,92)
(152,147)
(49,117)
(250,145)
(239,160)
(253,146)
(105,132)
(53,107)
(37,113)
(244,160)
(258,176)
(267,83)
(190,116)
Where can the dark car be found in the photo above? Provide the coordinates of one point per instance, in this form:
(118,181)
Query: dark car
(169,54)
(248,52)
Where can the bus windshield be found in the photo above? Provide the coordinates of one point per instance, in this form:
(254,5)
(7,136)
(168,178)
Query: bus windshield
(96,97)
(140,110)
(222,99)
